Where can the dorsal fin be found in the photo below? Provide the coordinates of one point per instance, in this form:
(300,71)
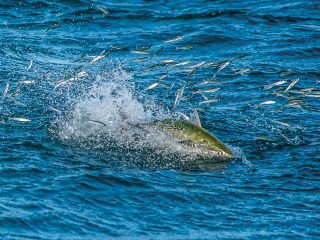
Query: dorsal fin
(195,117)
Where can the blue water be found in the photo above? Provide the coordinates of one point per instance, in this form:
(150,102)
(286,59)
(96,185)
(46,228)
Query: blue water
(64,177)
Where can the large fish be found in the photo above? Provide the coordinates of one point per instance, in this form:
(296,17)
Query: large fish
(196,138)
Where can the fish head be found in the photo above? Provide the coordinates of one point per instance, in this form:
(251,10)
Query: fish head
(196,138)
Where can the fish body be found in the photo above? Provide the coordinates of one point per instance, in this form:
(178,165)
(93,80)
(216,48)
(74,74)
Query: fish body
(197,139)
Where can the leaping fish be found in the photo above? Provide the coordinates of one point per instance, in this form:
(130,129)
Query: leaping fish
(197,139)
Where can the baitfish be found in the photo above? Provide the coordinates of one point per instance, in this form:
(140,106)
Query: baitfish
(195,137)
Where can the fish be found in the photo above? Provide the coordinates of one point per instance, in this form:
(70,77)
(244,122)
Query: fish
(197,139)
(278,83)
(79,75)
(29,65)
(104,11)
(306,90)
(54,26)
(188,47)
(166,61)
(153,85)
(5,91)
(281,123)
(213,100)
(177,38)
(156,52)
(163,76)
(294,81)
(294,103)
(205,82)
(97,58)
(82,74)
(312,95)
(178,97)
(192,72)
(143,50)
(242,71)
(181,63)
(206,91)
(210,90)
(211,64)
(185,117)
(267,102)
(27,81)
(20,119)
(200,64)
(142,59)
(223,66)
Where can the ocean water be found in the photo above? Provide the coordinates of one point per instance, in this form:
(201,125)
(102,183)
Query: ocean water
(74,78)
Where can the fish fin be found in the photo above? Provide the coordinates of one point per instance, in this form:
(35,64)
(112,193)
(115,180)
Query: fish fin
(195,118)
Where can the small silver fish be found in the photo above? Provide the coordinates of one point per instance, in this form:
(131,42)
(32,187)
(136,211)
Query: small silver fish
(30,65)
(211,64)
(204,97)
(177,38)
(267,102)
(211,90)
(312,95)
(278,83)
(82,74)
(5,91)
(223,66)
(181,64)
(153,85)
(242,71)
(207,91)
(27,81)
(185,117)
(294,81)
(184,47)
(213,100)
(142,52)
(156,52)
(179,95)
(97,58)
(104,11)
(163,76)
(200,64)
(20,119)
(140,59)
(166,61)
(306,90)
(281,123)
(210,80)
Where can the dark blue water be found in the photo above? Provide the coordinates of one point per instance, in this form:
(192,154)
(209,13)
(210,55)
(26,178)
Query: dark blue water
(64,177)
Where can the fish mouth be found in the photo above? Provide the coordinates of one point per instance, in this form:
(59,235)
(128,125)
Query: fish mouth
(206,152)
(203,150)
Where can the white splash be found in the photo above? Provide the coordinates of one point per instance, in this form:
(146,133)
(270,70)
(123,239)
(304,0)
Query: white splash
(109,109)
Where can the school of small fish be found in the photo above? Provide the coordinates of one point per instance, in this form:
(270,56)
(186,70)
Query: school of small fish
(192,88)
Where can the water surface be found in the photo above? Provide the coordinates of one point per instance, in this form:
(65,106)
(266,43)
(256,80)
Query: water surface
(63,177)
